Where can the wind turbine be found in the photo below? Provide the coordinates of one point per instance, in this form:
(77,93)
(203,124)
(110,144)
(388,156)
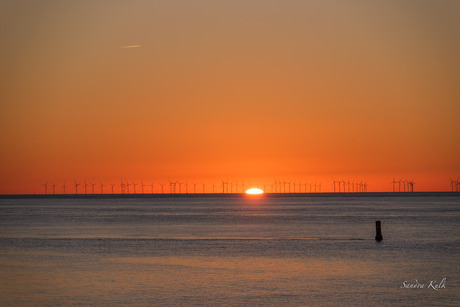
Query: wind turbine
(76,187)
(274,186)
(194,188)
(223,187)
(54,188)
(102,187)
(92,188)
(86,185)
(46,187)
(134,187)
(172,187)
(334,183)
(113,185)
(63,187)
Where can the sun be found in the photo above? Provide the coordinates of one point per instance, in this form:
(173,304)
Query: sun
(254,191)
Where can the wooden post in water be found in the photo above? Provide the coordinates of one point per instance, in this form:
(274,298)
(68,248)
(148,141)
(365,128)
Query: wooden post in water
(378,232)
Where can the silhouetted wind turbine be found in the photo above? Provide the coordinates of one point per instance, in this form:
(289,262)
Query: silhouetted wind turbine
(86,185)
(92,188)
(223,187)
(134,187)
(76,187)
(113,185)
(46,187)
(63,187)
(172,186)
(102,187)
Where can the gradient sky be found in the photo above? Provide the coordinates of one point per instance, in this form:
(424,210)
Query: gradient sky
(247,90)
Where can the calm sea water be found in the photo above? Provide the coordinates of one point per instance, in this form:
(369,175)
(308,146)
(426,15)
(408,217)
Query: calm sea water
(230,250)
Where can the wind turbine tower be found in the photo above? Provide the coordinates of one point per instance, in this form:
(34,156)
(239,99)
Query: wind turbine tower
(46,187)
(76,187)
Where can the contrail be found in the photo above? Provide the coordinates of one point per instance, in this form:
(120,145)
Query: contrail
(131,46)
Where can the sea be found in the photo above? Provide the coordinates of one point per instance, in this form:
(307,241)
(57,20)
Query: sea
(230,250)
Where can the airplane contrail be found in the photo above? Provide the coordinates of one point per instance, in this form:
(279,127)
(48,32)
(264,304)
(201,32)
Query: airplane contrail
(131,46)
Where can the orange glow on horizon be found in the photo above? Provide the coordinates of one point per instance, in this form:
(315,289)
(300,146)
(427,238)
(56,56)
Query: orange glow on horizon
(307,92)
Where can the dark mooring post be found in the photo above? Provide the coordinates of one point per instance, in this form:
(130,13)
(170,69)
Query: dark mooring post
(378,231)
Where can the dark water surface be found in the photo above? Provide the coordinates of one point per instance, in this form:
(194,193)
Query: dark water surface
(230,250)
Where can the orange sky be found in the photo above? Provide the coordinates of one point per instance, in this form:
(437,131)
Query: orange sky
(238,90)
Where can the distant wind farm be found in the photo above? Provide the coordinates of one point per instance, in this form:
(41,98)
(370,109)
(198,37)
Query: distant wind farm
(276,186)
